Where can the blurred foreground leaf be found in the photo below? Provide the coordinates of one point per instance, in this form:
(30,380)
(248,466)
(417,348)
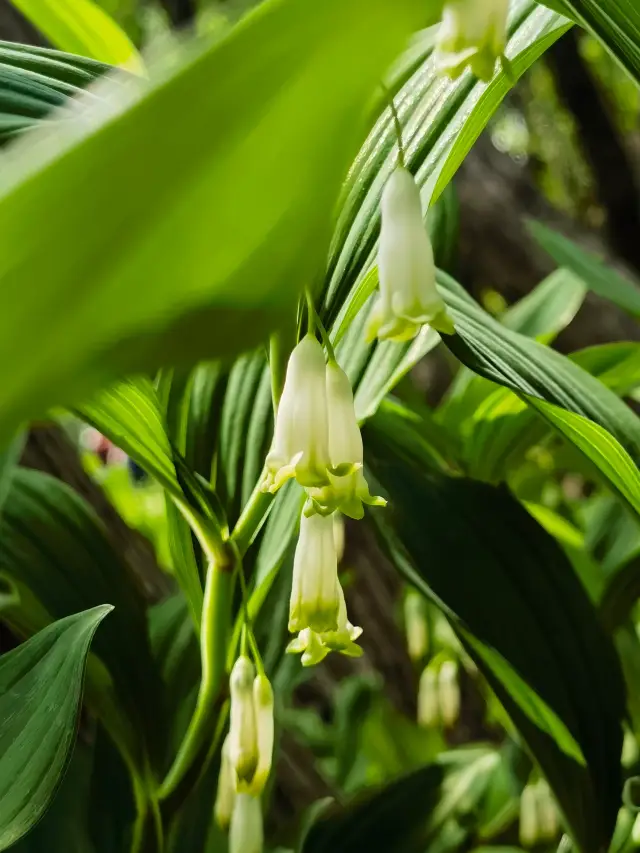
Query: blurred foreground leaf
(178,219)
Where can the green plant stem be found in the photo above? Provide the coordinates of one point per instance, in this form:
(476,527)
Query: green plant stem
(397,125)
(277,368)
(214,635)
(252,518)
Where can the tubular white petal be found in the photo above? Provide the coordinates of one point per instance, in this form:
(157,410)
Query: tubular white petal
(226,792)
(314,603)
(246,834)
(263,705)
(472,34)
(406,269)
(243,737)
(301,436)
(345,441)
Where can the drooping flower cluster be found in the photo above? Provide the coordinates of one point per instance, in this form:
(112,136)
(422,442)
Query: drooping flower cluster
(246,758)
(317,440)
(408,297)
(472,35)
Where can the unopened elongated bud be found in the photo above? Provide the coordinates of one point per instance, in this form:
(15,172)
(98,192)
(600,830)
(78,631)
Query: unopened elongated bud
(449,693)
(243,736)
(416,625)
(547,813)
(301,436)
(246,834)
(226,793)
(263,706)
(529,831)
(428,704)
(408,296)
(314,597)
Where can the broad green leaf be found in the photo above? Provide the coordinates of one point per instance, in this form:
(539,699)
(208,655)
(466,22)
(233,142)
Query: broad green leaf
(616,365)
(511,593)
(391,820)
(598,277)
(53,544)
(615,23)
(192,265)
(40,698)
(599,446)
(539,375)
(82,27)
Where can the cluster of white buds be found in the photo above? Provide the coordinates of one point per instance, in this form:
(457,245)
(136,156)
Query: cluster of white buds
(473,35)
(246,758)
(317,440)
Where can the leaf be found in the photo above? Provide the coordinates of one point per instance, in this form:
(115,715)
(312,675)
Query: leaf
(82,27)
(40,697)
(548,308)
(193,264)
(615,23)
(598,277)
(600,447)
(391,820)
(512,595)
(540,376)
(34,81)
(52,543)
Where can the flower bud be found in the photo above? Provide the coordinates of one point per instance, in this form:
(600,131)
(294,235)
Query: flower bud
(243,736)
(428,704)
(263,707)
(547,813)
(449,693)
(416,625)
(301,436)
(314,599)
(529,828)
(246,834)
(347,489)
(408,296)
(472,34)
(226,792)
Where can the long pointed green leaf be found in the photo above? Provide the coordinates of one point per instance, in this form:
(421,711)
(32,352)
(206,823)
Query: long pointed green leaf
(81,26)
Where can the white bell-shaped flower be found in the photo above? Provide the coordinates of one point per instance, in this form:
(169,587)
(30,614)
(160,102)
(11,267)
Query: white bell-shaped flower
(301,436)
(243,733)
(408,295)
(347,489)
(315,646)
(263,708)
(472,34)
(246,834)
(314,600)
(226,792)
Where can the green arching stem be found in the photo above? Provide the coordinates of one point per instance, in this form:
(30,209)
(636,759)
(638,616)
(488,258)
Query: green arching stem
(311,313)
(398,126)
(326,340)
(214,634)
(251,519)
